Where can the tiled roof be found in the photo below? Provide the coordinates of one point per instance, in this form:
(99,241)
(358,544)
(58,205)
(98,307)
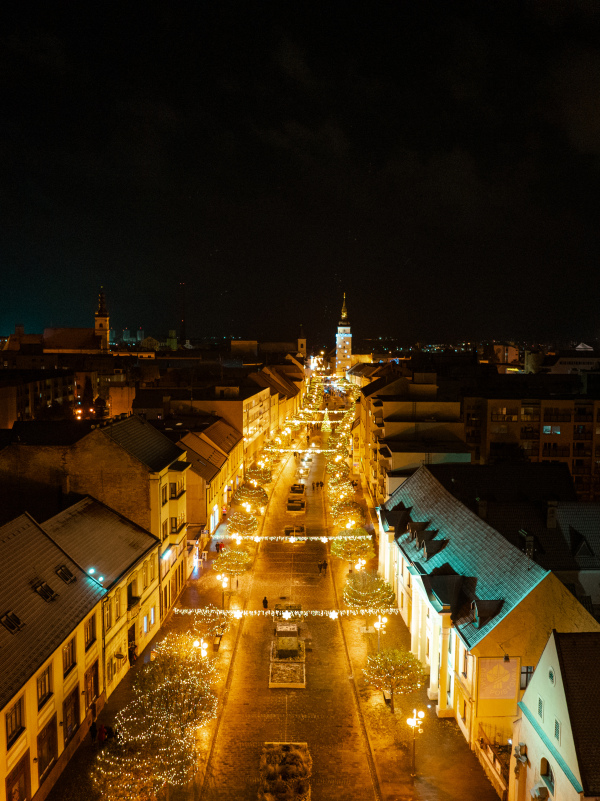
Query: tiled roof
(579,657)
(97,536)
(28,556)
(71,339)
(199,464)
(492,568)
(223,435)
(50,432)
(143,442)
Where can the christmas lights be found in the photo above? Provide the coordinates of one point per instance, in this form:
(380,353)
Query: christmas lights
(240,523)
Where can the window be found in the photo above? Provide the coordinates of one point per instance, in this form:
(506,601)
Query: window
(526,674)
(163,492)
(14,722)
(89,630)
(173,489)
(145,624)
(551,429)
(551,675)
(117,604)
(547,774)
(44,686)
(165,529)
(152,616)
(107,615)
(465,663)
(557,730)
(91,685)
(173,525)
(145,574)
(540,708)
(46,747)
(152,568)
(71,714)
(69,657)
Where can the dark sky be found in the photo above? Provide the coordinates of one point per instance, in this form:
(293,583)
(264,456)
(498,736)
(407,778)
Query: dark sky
(439,162)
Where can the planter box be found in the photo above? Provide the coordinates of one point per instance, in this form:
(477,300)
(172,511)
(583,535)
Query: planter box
(301,657)
(287,675)
(281,763)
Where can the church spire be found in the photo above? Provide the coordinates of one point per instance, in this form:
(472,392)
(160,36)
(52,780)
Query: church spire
(102,310)
(344,311)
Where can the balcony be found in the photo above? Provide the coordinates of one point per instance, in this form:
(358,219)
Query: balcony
(530,433)
(133,607)
(554,453)
(564,417)
(582,435)
(495,759)
(582,453)
(505,418)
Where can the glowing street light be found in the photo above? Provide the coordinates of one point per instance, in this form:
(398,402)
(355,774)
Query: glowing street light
(203,648)
(360,564)
(380,626)
(415,723)
(224,583)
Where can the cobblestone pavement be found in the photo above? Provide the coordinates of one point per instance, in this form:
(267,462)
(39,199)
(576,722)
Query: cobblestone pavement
(344,722)
(324,715)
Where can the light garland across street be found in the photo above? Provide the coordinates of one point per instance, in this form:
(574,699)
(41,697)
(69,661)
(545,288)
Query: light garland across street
(333,614)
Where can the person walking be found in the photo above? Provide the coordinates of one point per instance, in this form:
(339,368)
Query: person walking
(313,486)
(320,566)
(265,603)
(93,732)
(324,565)
(101,735)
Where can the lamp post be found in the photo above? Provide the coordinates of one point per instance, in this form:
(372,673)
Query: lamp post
(224,582)
(415,724)
(380,626)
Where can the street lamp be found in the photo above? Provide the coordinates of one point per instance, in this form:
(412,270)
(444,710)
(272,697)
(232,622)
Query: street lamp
(224,582)
(380,626)
(203,647)
(415,724)
(360,564)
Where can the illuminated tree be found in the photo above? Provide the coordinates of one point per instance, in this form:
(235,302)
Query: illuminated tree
(368,591)
(242,524)
(397,672)
(253,495)
(157,729)
(233,561)
(348,512)
(352,549)
(260,475)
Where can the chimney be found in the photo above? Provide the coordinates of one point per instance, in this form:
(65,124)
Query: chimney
(551,514)
(66,484)
(482,508)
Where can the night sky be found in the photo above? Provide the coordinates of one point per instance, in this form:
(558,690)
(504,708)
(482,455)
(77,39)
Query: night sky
(439,162)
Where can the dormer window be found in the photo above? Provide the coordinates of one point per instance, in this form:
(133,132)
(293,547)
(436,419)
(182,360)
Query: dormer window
(45,591)
(11,622)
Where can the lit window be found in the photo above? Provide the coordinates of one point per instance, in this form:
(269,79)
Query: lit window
(145,624)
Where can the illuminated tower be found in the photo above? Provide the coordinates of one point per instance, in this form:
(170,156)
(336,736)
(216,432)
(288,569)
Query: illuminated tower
(343,343)
(102,320)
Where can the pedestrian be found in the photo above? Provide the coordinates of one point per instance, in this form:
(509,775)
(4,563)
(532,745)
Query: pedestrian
(313,486)
(325,565)
(320,566)
(265,603)
(110,733)
(101,735)
(93,732)
(217,547)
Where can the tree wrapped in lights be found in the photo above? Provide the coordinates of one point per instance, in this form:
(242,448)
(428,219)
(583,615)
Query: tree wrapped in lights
(397,672)
(246,493)
(365,590)
(326,423)
(242,524)
(339,490)
(209,621)
(233,561)
(156,731)
(348,513)
(337,468)
(352,549)
(259,475)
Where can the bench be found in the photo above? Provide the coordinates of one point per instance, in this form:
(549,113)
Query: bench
(387,697)
(217,642)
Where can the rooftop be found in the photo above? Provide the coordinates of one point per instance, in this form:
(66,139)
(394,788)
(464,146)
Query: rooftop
(97,536)
(28,558)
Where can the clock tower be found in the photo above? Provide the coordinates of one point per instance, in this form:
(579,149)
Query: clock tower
(102,320)
(343,343)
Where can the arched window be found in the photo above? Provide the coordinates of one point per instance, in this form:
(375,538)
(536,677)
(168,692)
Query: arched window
(547,774)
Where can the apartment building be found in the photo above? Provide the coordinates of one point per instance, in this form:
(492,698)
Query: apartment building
(539,428)
(51,666)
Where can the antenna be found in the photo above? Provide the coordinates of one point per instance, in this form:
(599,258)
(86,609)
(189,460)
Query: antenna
(182,331)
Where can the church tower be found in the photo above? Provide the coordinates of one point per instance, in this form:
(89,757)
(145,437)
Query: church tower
(102,321)
(343,343)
